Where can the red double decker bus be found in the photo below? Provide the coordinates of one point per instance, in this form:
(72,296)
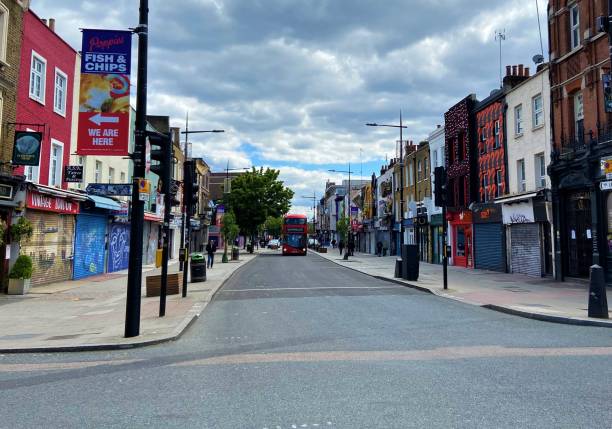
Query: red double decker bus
(295,234)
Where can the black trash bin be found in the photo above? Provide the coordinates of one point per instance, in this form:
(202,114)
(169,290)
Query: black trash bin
(410,262)
(235,253)
(198,267)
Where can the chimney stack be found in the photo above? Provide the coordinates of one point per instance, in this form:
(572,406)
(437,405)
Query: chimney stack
(526,71)
(513,70)
(44,21)
(520,70)
(508,70)
(52,24)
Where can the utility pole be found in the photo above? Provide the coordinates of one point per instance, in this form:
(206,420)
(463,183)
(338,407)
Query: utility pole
(134,281)
(181,261)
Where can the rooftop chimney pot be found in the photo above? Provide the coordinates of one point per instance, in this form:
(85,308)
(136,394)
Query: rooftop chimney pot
(508,70)
(52,24)
(513,70)
(520,70)
(526,71)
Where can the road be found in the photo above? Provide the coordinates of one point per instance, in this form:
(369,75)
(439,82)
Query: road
(300,342)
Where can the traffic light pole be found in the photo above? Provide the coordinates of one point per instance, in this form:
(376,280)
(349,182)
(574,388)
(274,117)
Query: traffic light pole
(166,179)
(445,253)
(134,281)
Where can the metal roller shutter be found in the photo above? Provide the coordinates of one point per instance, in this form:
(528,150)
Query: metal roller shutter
(525,249)
(89,246)
(50,247)
(118,247)
(489,247)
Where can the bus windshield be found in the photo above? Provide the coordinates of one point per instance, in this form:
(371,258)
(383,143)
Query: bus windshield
(295,240)
(295,221)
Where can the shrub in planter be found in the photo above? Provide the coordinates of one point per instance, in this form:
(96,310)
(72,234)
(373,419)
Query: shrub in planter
(2,231)
(20,275)
(22,230)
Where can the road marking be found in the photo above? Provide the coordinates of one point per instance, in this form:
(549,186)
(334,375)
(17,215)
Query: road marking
(55,366)
(442,353)
(309,288)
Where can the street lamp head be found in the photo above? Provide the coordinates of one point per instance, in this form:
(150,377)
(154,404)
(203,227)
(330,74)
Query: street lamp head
(218,131)
(372,124)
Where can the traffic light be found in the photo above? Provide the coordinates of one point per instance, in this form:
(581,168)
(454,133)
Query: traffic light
(161,152)
(440,186)
(191,188)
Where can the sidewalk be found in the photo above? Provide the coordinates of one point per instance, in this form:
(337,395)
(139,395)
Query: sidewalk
(537,298)
(89,314)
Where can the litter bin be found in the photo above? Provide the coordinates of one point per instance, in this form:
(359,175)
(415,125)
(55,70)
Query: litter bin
(235,254)
(410,262)
(198,267)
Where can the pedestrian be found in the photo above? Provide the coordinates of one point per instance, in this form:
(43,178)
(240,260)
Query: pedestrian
(341,246)
(211,248)
(379,247)
(334,243)
(351,247)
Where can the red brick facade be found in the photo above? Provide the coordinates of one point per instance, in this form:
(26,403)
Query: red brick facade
(491,161)
(39,38)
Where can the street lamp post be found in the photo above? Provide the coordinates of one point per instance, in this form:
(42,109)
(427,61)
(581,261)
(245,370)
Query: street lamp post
(186,218)
(314,199)
(227,190)
(350,235)
(401,126)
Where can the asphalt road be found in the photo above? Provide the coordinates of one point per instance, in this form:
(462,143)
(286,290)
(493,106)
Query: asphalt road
(299,342)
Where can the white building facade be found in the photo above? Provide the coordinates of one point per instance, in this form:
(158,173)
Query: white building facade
(436,159)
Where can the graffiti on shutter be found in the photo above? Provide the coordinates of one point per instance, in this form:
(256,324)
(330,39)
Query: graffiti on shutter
(525,249)
(89,245)
(118,247)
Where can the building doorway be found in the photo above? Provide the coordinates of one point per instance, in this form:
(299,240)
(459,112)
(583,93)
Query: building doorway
(579,234)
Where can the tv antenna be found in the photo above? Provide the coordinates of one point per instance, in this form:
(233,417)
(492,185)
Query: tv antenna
(500,35)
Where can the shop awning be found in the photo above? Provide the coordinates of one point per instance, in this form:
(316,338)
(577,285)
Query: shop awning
(105,203)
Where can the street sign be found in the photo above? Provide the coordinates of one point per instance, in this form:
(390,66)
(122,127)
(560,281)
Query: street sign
(112,189)
(73,173)
(104,110)
(606,186)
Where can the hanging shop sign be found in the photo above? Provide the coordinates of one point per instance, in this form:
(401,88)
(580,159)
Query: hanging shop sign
(26,148)
(104,98)
(6,192)
(38,201)
(73,173)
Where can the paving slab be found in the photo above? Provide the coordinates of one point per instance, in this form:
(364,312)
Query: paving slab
(521,295)
(89,314)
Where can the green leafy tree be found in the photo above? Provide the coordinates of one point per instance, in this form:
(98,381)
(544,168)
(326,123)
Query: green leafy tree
(342,227)
(274,225)
(229,230)
(257,195)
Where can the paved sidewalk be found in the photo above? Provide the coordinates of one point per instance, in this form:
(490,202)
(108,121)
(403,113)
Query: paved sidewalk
(90,313)
(538,298)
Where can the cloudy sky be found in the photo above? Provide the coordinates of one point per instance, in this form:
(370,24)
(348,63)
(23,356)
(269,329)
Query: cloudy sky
(293,82)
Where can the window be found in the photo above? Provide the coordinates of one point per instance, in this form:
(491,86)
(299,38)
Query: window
(425,164)
(538,111)
(410,175)
(496,133)
(81,162)
(419,171)
(498,183)
(55,164)
(31,174)
(111,175)
(574,26)
(518,120)
(483,140)
(485,185)
(540,165)
(59,97)
(37,78)
(435,158)
(521,175)
(122,175)
(4,19)
(98,172)
(579,116)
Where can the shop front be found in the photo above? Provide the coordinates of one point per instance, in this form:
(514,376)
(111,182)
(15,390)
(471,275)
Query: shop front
(489,238)
(150,237)
(437,239)
(422,234)
(10,188)
(52,213)
(460,223)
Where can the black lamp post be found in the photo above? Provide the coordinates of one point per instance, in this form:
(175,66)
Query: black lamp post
(350,236)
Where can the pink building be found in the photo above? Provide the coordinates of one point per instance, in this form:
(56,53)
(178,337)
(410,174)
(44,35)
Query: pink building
(45,97)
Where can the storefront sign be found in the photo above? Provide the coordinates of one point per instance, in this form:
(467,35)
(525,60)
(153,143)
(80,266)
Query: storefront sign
(49,203)
(104,110)
(26,148)
(606,186)
(518,213)
(73,173)
(109,189)
(487,213)
(6,192)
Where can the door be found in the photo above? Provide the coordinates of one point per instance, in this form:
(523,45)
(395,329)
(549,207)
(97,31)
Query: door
(118,247)
(89,245)
(462,252)
(579,234)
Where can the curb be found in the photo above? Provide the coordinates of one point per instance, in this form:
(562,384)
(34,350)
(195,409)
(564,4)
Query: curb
(192,315)
(507,310)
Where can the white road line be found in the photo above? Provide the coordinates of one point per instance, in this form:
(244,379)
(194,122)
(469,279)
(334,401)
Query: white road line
(310,288)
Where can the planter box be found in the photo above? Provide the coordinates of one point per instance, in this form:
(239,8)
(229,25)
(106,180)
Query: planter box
(154,285)
(322,249)
(18,286)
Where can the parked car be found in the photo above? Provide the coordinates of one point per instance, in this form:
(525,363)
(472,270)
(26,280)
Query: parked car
(274,244)
(313,243)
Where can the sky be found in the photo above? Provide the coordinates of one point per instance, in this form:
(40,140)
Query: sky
(293,82)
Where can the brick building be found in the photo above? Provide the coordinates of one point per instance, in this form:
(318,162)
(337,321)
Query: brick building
(582,138)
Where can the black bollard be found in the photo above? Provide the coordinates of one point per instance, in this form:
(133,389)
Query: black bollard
(398,268)
(598,301)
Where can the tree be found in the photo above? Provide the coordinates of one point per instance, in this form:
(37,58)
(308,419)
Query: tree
(230,231)
(342,227)
(274,225)
(257,195)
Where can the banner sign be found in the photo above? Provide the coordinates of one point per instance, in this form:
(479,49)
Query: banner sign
(104,98)
(112,189)
(73,173)
(48,203)
(26,148)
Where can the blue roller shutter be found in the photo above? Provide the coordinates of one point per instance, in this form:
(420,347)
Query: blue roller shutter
(118,247)
(89,245)
(489,247)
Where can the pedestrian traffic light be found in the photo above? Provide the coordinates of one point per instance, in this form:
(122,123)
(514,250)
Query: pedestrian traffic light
(440,186)
(191,188)
(161,152)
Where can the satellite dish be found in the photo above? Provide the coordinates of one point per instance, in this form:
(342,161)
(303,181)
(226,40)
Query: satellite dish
(538,59)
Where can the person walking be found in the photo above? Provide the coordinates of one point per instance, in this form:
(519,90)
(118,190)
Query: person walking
(333,243)
(211,248)
(351,247)
(379,248)
(341,246)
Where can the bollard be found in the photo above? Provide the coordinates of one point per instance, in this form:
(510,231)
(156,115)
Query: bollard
(598,301)
(398,268)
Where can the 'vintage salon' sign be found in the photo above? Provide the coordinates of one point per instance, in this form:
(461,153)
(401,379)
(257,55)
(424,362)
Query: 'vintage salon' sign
(49,203)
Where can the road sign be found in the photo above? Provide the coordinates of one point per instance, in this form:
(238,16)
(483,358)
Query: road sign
(606,186)
(104,109)
(111,189)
